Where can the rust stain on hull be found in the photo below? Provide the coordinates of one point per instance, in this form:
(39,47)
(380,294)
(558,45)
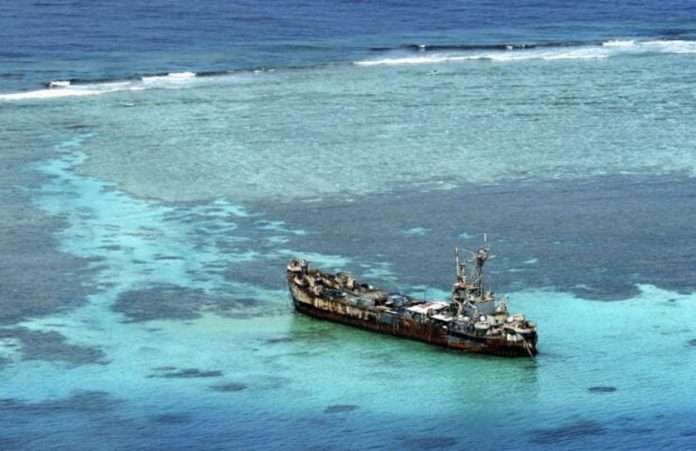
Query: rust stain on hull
(405,328)
(472,320)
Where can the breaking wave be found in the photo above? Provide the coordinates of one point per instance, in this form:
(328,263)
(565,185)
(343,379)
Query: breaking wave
(76,88)
(59,84)
(404,55)
(171,78)
(68,89)
(426,54)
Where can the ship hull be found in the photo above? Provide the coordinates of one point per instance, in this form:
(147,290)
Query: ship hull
(384,323)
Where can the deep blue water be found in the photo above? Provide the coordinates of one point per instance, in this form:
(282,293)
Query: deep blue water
(96,40)
(151,199)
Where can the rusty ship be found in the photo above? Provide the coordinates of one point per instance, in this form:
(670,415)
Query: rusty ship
(471,320)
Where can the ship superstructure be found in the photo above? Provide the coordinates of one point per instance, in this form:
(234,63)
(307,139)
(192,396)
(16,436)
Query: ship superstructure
(472,320)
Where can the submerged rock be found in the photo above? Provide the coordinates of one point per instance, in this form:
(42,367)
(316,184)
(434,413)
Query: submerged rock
(272,341)
(338,408)
(601,389)
(228,387)
(52,346)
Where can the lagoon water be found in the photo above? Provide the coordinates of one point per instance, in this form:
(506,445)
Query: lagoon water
(153,193)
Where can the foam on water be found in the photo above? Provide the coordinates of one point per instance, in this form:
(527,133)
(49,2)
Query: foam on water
(506,53)
(168,80)
(626,43)
(59,84)
(677,46)
(606,49)
(176,80)
(299,135)
(304,135)
(173,76)
(68,91)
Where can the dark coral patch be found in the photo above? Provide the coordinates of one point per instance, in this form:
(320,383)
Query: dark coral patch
(168,301)
(692,342)
(52,346)
(635,206)
(228,387)
(168,257)
(186,373)
(338,408)
(36,278)
(601,389)
(161,302)
(76,126)
(83,402)
(271,382)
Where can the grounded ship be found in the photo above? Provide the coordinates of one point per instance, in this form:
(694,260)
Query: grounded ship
(472,320)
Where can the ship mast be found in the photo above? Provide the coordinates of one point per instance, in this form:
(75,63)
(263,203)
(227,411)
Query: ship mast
(479,259)
(471,289)
(460,284)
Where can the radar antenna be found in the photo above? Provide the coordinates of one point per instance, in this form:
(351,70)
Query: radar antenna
(474,286)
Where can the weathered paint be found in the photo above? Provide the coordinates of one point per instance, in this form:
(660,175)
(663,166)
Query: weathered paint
(376,320)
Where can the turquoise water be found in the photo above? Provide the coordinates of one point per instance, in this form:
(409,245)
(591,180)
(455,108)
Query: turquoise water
(148,220)
(365,129)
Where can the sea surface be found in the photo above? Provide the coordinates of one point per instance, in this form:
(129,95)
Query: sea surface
(162,161)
